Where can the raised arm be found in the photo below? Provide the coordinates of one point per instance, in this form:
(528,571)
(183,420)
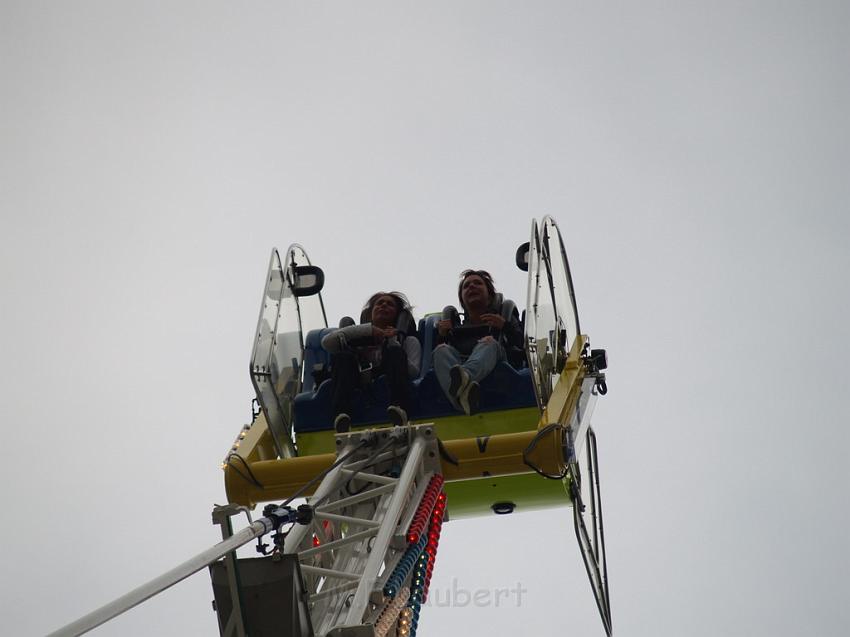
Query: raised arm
(348,337)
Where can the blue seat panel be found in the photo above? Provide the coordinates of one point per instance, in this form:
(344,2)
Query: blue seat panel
(504,388)
(314,354)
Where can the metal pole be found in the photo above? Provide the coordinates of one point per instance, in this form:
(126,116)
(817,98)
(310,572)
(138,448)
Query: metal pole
(236,623)
(164,581)
(297,533)
(382,541)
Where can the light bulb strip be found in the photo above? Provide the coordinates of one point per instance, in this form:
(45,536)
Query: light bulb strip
(417,587)
(391,612)
(425,508)
(434,531)
(404,566)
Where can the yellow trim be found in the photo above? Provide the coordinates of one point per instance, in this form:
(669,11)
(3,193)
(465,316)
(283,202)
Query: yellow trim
(496,449)
(564,396)
(279,478)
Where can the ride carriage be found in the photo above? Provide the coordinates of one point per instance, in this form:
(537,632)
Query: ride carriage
(529,446)
(534,414)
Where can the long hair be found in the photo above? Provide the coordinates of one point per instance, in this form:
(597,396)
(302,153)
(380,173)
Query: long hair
(484,275)
(401,303)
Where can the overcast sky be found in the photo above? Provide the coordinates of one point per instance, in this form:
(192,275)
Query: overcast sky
(695,156)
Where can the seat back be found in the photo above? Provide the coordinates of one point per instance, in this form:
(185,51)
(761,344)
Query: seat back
(428,338)
(316,359)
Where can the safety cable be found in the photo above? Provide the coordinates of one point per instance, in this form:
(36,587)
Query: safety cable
(372,456)
(447,455)
(365,486)
(530,448)
(322,474)
(250,477)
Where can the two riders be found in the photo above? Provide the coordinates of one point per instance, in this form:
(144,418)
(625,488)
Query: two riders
(467,352)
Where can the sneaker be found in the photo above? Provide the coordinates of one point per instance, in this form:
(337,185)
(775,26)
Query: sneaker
(397,416)
(458,380)
(342,423)
(468,398)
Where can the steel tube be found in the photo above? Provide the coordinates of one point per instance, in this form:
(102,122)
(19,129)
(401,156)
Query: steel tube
(347,519)
(370,477)
(354,499)
(164,581)
(329,572)
(348,586)
(335,544)
(382,541)
(328,484)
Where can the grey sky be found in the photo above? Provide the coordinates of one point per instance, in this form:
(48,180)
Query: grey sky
(694,155)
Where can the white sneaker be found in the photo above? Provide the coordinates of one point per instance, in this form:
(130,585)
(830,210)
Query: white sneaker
(459,379)
(468,398)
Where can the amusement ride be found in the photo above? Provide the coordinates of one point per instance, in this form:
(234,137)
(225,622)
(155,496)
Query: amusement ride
(351,520)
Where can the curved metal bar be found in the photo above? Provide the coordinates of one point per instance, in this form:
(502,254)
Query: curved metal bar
(592,547)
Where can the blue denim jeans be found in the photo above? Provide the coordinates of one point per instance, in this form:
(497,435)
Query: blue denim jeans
(478,365)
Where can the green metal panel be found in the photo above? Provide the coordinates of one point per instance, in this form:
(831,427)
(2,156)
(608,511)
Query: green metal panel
(472,498)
